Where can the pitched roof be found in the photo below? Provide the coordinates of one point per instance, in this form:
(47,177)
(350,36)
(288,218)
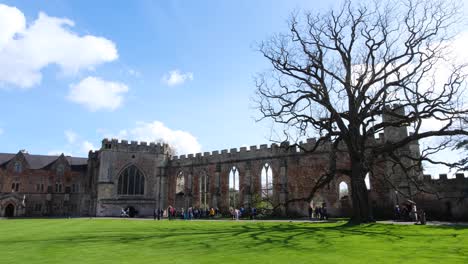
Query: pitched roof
(5,157)
(40,161)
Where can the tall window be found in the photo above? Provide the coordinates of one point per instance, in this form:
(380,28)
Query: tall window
(203,189)
(15,187)
(267,181)
(367,180)
(58,187)
(131,182)
(233,187)
(180,183)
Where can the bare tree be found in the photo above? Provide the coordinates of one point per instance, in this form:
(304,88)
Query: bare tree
(335,74)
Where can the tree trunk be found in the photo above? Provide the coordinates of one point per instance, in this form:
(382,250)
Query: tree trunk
(359,195)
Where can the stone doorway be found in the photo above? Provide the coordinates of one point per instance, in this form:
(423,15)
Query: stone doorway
(9,210)
(132,212)
(179,201)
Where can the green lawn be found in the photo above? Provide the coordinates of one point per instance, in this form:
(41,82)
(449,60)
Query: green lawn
(145,241)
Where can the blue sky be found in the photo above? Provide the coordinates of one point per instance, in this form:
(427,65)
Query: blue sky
(140,70)
(212,41)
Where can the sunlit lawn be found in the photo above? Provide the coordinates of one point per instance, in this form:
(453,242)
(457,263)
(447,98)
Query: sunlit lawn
(147,241)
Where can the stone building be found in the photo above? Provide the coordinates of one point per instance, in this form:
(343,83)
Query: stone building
(38,185)
(143,176)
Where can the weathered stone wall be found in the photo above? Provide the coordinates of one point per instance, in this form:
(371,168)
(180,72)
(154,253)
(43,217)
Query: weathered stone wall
(444,198)
(294,175)
(113,158)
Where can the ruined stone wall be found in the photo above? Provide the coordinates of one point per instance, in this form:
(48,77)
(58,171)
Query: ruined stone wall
(294,175)
(444,198)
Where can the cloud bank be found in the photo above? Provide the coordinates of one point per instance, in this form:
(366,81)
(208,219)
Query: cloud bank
(27,48)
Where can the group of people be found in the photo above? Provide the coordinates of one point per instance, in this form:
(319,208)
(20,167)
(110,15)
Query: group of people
(190,213)
(241,212)
(409,212)
(318,212)
(198,213)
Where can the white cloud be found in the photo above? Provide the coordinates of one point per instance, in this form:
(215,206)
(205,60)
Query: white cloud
(76,146)
(71,136)
(25,49)
(182,141)
(176,77)
(86,146)
(97,94)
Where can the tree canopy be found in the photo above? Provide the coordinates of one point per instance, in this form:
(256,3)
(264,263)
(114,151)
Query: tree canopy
(335,74)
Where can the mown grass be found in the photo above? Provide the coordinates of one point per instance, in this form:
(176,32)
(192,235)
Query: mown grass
(146,241)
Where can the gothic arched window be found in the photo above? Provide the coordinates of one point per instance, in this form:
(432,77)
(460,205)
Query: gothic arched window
(267,181)
(131,182)
(343,190)
(180,183)
(234,187)
(203,189)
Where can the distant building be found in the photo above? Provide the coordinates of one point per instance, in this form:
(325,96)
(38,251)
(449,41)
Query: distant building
(142,177)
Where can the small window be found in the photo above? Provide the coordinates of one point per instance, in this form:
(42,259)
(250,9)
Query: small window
(38,187)
(60,170)
(18,168)
(58,187)
(75,188)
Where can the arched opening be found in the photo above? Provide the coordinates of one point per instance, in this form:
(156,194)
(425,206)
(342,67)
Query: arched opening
(343,191)
(233,187)
(10,210)
(267,181)
(131,182)
(180,190)
(132,212)
(367,181)
(203,190)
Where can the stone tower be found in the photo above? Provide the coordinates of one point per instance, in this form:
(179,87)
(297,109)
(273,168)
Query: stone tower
(131,175)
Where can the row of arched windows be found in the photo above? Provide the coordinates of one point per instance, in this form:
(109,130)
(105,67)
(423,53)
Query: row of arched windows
(266,185)
(132,182)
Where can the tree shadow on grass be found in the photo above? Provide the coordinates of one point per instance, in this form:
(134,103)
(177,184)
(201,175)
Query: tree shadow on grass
(293,236)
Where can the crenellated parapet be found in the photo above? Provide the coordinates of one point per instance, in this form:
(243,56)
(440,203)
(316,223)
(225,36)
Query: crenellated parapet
(460,181)
(247,153)
(134,146)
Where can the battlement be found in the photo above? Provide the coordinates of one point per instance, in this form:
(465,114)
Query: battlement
(133,146)
(443,178)
(249,152)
